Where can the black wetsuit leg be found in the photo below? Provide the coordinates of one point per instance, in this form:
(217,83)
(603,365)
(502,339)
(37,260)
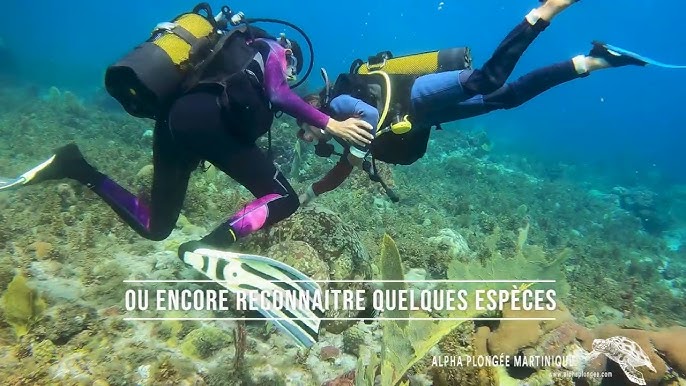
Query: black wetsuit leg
(451,95)
(198,121)
(494,73)
(515,93)
(172,166)
(531,85)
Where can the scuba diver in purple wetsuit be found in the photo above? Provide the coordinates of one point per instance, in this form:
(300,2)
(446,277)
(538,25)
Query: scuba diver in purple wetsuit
(214,114)
(404,97)
(212,91)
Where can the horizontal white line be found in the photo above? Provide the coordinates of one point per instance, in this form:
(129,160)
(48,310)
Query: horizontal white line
(352,281)
(372,319)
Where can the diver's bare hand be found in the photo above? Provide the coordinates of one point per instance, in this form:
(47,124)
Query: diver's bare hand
(352,130)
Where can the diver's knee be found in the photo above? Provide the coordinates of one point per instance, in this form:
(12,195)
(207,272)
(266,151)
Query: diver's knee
(159,233)
(283,208)
(504,97)
(491,84)
(291,205)
(478,82)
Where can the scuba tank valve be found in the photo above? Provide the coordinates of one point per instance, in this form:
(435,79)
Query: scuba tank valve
(237,19)
(226,17)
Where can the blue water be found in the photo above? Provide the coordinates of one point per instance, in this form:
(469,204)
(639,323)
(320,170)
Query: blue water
(626,123)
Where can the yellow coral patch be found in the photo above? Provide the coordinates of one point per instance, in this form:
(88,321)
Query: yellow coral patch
(42,249)
(21,304)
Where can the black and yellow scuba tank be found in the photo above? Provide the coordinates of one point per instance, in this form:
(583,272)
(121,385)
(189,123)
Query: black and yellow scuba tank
(189,50)
(398,75)
(148,76)
(431,62)
(385,82)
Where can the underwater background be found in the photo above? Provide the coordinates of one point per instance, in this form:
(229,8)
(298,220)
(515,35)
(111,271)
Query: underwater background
(587,179)
(625,123)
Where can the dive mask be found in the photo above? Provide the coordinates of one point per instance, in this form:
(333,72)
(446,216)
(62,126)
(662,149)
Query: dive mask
(291,66)
(291,59)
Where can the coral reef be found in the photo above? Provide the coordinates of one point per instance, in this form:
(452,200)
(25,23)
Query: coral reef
(64,321)
(334,245)
(301,256)
(466,211)
(564,337)
(336,242)
(353,338)
(646,205)
(405,342)
(392,269)
(664,349)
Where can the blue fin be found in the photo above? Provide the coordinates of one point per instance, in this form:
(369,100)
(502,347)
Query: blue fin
(642,58)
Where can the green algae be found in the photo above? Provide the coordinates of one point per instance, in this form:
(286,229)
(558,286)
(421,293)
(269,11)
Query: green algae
(392,269)
(205,341)
(22,305)
(403,346)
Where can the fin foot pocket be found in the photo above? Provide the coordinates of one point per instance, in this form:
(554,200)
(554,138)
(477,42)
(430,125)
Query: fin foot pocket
(618,56)
(613,57)
(67,162)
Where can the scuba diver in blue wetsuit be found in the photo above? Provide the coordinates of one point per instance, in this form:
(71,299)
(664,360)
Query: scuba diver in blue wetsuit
(404,97)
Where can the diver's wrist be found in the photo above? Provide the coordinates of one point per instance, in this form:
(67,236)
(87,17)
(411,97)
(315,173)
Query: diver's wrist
(310,192)
(329,124)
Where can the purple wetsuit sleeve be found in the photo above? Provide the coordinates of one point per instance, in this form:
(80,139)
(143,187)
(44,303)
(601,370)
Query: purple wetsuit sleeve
(281,95)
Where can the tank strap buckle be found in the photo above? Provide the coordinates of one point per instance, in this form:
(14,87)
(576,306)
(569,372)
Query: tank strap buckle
(376,66)
(379,60)
(164,26)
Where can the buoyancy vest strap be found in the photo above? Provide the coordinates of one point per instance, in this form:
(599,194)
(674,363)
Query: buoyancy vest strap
(185,35)
(256,66)
(197,73)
